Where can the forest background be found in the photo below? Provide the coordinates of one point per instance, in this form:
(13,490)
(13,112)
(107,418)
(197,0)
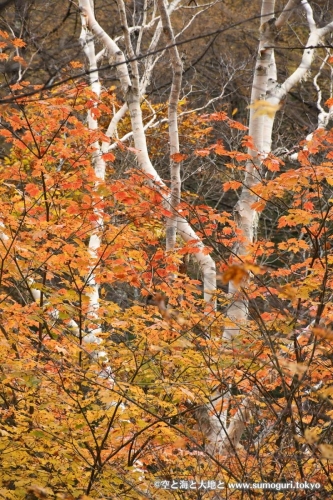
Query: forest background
(166,264)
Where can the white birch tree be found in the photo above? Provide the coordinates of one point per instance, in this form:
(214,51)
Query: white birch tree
(266,98)
(220,418)
(132,91)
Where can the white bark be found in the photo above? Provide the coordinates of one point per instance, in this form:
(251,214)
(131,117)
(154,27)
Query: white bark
(177,68)
(91,334)
(151,61)
(87,42)
(112,128)
(132,96)
(127,136)
(245,216)
(323,116)
(265,87)
(3,236)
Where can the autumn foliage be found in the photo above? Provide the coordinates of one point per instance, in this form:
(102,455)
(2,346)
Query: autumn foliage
(81,419)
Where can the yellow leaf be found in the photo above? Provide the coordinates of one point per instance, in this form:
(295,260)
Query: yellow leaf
(295,368)
(312,435)
(326,392)
(326,451)
(287,291)
(255,269)
(262,108)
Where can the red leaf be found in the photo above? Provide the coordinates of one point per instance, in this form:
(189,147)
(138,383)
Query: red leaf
(108,157)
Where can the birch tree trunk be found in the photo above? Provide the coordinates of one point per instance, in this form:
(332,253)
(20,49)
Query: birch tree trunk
(267,94)
(177,68)
(260,131)
(266,98)
(90,335)
(132,94)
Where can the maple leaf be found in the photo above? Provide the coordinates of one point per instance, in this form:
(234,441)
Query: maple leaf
(231,185)
(329,102)
(220,116)
(272,164)
(17,42)
(220,150)
(76,64)
(247,141)
(20,60)
(95,113)
(258,206)
(312,435)
(32,189)
(79,254)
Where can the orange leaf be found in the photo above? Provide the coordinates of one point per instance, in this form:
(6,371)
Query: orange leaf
(323,333)
(231,185)
(76,64)
(220,150)
(221,116)
(237,125)
(32,189)
(272,164)
(234,273)
(17,42)
(108,157)
(178,157)
(202,152)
